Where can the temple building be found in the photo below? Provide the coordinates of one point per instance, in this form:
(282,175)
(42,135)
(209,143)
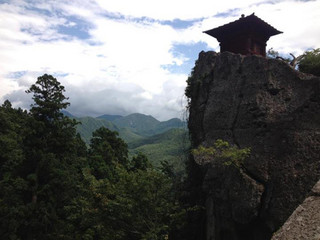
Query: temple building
(247,35)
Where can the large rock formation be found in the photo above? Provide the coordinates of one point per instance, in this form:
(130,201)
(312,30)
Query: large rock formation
(304,223)
(264,104)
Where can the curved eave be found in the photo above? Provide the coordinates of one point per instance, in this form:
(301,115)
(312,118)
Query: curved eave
(219,34)
(250,23)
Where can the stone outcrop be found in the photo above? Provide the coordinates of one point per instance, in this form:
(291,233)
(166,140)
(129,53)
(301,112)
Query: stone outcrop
(304,223)
(266,105)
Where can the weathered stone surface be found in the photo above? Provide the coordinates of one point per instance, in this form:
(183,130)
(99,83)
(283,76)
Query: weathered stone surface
(304,223)
(266,105)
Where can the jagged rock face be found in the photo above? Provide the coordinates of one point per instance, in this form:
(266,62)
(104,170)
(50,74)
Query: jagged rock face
(304,223)
(264,104)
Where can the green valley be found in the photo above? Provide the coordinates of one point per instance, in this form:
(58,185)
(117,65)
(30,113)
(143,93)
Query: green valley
(159,141)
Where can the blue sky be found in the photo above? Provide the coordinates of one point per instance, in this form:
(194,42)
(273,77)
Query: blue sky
(124,56)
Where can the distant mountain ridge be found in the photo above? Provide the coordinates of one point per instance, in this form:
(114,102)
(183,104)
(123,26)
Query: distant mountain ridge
(159,141)
(89,124)
(138,123)
(171,146)
(109,117)
(132,127)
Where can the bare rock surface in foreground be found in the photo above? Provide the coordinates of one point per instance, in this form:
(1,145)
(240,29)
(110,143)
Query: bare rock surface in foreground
(304,223)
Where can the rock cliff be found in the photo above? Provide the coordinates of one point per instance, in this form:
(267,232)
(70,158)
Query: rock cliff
(304,223)
(263,104)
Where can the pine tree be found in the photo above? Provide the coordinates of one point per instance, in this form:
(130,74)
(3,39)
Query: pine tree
(53,166)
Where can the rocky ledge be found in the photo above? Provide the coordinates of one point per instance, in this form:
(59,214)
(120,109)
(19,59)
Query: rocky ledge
(274,110)
(304,223)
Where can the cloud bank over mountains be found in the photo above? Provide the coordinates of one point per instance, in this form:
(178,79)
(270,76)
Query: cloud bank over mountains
(122,56)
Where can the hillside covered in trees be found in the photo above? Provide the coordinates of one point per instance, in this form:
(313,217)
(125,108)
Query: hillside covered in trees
(52,186)
(157,140)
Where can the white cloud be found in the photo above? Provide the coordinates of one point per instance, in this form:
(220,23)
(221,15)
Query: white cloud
(177,9)
(119,68)
(299,21)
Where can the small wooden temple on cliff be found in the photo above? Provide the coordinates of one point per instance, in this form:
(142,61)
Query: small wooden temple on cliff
(247,35)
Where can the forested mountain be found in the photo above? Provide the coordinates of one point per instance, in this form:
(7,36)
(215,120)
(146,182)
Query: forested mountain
(89,124)
(167,140)
(109,117)
(172,146)
(131,128)
(52,186)
(138,123)
(145,125)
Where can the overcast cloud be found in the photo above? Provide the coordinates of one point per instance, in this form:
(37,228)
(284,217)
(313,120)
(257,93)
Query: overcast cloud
(124,56)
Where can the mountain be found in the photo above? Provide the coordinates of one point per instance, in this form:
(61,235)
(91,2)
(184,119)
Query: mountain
(129,136)
(138,123)
(67,114)
(165,126)
(131,128)
(109,117)
(159,141)
(171,146)
(89,124)
(146,125)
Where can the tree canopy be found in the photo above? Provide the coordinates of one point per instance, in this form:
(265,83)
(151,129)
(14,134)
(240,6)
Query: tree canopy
(310,63)
(53,187)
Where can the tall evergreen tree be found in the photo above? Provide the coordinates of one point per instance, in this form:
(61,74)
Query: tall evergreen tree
(53,128)
(52,167)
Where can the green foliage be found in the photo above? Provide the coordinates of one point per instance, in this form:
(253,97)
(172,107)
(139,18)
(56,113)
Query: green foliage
(13,130)
(162,140)
(53,187)
(126,203)
(88,125)
(164,126)
(129,136)
(138,123)
(171,145)
(44,155)
(190,80)
(223,152)
(157,140)
(310,63)
(48,97)
(51,127)
(140,162)
(106,150)
(142,205)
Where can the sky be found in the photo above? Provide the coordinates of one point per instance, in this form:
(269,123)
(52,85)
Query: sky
(130,56)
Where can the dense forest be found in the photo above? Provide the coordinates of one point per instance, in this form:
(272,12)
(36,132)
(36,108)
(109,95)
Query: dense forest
(52,186)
